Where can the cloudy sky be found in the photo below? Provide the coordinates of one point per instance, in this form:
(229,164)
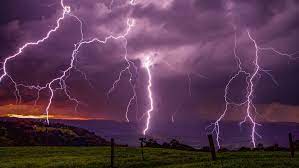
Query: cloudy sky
(191,44)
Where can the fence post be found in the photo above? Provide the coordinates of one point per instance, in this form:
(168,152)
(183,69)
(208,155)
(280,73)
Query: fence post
(291,145)
(112,153)
(212,147)
(141,145)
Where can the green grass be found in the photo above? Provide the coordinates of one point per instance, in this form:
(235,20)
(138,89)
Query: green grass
(99,157)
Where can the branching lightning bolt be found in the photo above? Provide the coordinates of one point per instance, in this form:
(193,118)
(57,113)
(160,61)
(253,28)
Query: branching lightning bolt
(227,100)
(128,68)
(250,92)
(66,11)
(250,81)
(130,65)
(60,80)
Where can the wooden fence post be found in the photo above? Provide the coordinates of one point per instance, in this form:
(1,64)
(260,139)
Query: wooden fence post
(212,147)
(141,145)
(112,153)
(291,145)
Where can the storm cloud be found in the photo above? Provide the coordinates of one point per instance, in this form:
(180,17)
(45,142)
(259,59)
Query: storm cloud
(192,42)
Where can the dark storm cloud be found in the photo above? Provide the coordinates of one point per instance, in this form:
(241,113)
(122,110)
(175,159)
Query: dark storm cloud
(194,37)
(26,10)
(182,23)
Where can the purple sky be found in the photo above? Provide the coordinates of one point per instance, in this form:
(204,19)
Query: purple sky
(192,38)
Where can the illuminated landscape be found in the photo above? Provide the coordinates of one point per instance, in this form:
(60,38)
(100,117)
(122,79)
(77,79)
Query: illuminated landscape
(173,77)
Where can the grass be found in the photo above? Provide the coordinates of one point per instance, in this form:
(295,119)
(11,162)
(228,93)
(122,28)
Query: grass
(99,157)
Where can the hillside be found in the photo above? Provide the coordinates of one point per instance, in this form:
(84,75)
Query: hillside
(191,133)
(34,133)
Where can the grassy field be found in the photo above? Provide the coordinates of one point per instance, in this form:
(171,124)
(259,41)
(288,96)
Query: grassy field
(99,157)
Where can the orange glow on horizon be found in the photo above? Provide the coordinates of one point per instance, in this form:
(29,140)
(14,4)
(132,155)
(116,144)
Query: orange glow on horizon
(27,116)
(50,116)
(36,112)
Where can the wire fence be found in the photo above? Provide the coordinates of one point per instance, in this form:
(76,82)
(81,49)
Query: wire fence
(118,153)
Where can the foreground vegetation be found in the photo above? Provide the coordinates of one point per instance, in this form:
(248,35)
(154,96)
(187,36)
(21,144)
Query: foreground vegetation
(99,157)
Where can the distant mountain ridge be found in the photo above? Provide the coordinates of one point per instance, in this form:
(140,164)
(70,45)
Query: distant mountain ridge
(191,133)
(20,132)
(233,135)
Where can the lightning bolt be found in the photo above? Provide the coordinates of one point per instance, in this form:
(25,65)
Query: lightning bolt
(66,11)
(250,108)
(60,80)
(174,114)
(189,84)
(147,65)
(128,68)
(250,91)
(227,100)
(251,77)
